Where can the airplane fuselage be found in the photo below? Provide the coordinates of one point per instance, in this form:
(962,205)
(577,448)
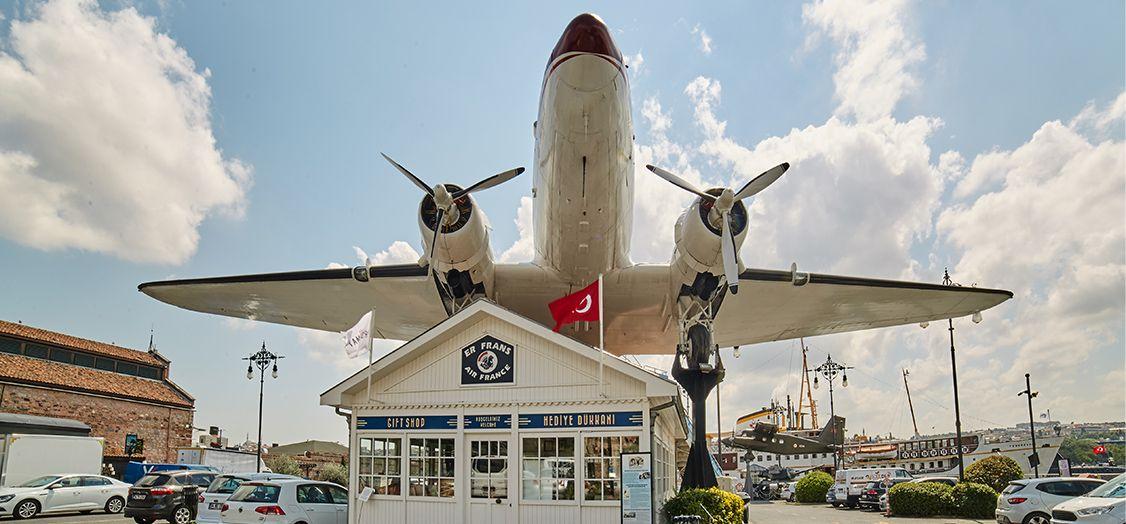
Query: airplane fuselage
(583,188)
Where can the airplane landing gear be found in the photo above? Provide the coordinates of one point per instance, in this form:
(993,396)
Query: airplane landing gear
(698,379)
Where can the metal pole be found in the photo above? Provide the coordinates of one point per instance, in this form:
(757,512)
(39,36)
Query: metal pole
(957,410)
(1031,421)
(832,414)
(718,427)
(910,405)
(261,385)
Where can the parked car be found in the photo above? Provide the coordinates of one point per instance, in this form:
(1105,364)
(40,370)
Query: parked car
(1105,504)
(167,495)
(211,500)
(286,502)
(884,504)
(56,493)
(789,491)
(870,497)
(849,483)
(949,481)
(1030,501)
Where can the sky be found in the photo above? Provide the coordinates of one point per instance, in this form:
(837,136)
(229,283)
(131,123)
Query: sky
(143,141)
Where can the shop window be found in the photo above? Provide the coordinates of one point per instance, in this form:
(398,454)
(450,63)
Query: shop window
(488,469)
(381,465)
(9,345)
(431,472)
(603,466)
(548,468)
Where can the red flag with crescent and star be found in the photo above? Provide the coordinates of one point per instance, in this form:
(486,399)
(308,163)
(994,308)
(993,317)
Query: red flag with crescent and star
(576,307)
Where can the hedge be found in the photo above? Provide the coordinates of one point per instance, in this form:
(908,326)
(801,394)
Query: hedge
(813,487)
(995,471)
(973,500)
(724,507)
(920,499)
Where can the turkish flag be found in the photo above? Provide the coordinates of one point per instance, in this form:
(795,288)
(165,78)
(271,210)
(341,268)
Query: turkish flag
(1099,450)
(576,307)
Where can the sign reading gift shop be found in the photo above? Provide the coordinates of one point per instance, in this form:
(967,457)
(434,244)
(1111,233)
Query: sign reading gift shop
(488,361)
(407,422)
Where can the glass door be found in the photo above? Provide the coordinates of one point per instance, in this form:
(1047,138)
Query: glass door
(491,490)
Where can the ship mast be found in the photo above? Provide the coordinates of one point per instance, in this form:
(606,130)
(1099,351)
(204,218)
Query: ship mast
(909,404)
(805,392)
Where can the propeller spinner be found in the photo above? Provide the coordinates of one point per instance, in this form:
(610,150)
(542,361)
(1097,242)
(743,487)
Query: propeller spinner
(722,205)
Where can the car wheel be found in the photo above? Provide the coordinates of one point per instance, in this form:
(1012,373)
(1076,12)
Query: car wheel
(115,505)
(181,515)
(1037,518)
(142,520)
(26,509)
(836,504)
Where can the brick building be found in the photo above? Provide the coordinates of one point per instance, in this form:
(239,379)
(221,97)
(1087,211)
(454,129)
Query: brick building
(114,390)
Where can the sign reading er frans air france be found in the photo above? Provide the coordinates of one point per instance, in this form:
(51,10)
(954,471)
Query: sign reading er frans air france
(608,419)
(488,361)
(408,422)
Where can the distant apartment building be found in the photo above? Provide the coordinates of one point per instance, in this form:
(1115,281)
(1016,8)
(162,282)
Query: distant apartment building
(115,390)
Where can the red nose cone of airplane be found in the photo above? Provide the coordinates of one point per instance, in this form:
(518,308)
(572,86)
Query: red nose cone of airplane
(586,34)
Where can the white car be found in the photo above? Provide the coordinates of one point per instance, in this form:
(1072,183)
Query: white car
(1030,501)
(286,502)
(211,500)
(56,493)
(789,491)
(1105,504)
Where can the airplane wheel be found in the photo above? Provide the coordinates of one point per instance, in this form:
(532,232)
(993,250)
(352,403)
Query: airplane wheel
(700,339)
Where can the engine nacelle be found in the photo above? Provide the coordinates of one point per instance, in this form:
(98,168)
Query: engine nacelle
(697,262)
(462,259)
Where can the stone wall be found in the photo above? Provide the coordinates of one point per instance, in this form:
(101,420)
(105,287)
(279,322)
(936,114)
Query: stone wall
(163,428)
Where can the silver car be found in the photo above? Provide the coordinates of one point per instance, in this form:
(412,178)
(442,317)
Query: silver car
(60,493)
(212,499)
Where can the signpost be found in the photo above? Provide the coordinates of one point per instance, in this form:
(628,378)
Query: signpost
(637,488)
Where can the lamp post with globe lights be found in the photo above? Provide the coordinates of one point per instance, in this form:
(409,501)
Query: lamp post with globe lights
(261,359)
(830,370)
(976,318)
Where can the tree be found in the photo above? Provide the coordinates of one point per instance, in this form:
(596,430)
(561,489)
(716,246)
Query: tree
(995,471)
(283,464)
(333,472)
(813,487)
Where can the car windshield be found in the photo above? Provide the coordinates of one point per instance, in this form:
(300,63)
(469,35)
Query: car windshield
(39,481)
(1013,487)
(153,480)
(225,484)
(256,493)
(1115,489)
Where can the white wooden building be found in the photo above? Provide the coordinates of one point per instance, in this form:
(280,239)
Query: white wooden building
(490,417)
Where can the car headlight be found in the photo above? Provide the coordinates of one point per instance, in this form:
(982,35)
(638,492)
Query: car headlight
(1097,510)
(6,498)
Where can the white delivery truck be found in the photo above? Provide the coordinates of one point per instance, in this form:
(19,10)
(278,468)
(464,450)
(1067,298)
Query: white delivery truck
(24,457)
(224,460)
(849,483)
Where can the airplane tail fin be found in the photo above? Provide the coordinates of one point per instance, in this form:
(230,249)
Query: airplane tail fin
(833,432)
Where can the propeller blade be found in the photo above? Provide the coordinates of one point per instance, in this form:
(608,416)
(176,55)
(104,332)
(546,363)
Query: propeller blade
(494,180)
(418,182)
(434,239)
(762,181)
(730,262)
(678,182)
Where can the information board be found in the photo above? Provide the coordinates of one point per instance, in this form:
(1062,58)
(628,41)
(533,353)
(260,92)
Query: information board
(637,488)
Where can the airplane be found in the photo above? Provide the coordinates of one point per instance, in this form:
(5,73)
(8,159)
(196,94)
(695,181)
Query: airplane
(765,437)
(582,194)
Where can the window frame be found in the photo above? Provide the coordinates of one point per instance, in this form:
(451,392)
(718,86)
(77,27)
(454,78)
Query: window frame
(582,477)
(576,465)
(406,475)
(385,437)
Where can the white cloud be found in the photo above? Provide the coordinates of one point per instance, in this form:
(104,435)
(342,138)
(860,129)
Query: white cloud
(875,54)
(635,64)
(705,41)
(523,250)
(105,137)
(399,252)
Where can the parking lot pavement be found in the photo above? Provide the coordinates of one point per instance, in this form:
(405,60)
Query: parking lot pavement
(97,517)
(778,511)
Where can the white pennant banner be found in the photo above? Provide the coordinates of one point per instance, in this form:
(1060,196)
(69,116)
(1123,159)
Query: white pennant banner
(357,340)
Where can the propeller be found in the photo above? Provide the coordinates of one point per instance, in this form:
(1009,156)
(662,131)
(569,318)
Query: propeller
(444,200)
(722,204)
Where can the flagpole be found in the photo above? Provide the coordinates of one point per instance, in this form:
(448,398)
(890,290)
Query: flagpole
(601,344)
(371,340)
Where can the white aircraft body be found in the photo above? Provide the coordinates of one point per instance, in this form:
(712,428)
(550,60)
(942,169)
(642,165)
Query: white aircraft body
(583,205)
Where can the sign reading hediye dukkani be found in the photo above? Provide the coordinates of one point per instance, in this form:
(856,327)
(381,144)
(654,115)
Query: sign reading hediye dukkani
(488,361)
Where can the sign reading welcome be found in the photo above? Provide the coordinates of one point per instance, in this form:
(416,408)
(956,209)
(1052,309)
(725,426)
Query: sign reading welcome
(488,361)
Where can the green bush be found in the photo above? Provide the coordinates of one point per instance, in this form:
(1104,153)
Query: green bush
(995,471)
(724,507)
(813,487)
(283,464)
(923,499)
(333,472)
(972,500)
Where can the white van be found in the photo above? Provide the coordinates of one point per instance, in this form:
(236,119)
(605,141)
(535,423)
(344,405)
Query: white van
(849,483)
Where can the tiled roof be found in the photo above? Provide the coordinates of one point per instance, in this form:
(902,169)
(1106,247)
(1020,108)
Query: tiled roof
(26,370)
(80,344)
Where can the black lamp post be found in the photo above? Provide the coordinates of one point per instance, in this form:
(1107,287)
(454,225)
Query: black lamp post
(1033,459)
(830,370)
(262,359)
(954,373)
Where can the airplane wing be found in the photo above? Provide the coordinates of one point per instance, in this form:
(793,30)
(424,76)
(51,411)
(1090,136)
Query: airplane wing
(770,307)
(404,297)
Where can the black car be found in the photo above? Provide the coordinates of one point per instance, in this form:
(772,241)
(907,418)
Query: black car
(168,495)
(870,496)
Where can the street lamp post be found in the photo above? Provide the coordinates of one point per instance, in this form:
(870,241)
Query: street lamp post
(262,359)
(954,374)
(830,370)
(1033,459)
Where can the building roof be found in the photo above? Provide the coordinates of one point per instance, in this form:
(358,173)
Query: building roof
(33,371)
(80,344)
(20,423)
(312,446)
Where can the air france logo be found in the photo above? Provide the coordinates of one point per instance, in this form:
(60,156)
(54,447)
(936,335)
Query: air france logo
(487,361)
